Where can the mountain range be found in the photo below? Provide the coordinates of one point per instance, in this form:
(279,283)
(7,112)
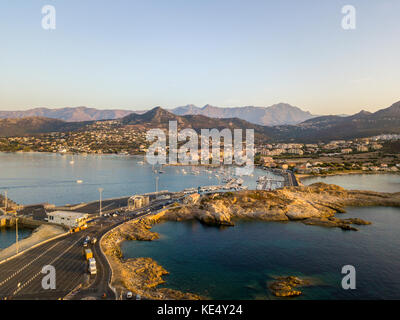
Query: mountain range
(278,114)
(323,128)
(75,114)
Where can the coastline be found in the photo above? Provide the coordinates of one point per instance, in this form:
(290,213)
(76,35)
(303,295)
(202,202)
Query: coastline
(302,177)
(140,275)
(143,275)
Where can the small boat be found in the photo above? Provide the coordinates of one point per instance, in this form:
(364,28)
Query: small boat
(72,162)
(79,181)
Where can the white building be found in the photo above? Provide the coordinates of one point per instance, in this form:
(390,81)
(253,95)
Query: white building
(67,218)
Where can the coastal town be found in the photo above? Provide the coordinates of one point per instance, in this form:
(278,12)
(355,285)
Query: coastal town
(372,154)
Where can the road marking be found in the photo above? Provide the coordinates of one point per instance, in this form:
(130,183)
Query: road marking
(27,265)
(40,272)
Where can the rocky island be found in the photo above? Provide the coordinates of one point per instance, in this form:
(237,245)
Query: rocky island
(316,204)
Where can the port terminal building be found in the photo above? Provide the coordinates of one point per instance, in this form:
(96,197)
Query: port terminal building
(69,219)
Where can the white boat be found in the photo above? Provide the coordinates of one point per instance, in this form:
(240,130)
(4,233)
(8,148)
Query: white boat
(79,181)
(72,162)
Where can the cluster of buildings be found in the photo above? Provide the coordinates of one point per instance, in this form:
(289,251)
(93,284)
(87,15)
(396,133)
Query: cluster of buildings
(333,147)
(99,137)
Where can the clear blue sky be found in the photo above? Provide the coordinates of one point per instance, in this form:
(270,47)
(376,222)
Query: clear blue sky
(139,54)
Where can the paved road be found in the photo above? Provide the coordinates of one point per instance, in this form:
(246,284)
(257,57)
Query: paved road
(21,277)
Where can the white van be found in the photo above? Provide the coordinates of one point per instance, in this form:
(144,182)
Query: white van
(92,266)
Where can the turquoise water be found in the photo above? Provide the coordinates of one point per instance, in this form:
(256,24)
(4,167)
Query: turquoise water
(237,262)
(7,236)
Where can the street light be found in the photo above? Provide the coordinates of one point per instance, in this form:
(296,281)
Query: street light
(16,235)
(5,200)
(100,191)
(157,177)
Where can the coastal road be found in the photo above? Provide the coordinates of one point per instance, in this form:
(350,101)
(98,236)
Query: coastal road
(21,277)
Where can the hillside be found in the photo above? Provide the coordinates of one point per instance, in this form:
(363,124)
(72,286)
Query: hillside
(325,128)
(35,125)
(362,124)
(67,114)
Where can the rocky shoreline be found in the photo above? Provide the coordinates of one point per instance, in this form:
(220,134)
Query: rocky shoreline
(140,275)
(316,204)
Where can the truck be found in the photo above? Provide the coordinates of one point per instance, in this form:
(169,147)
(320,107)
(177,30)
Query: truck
(92,266)
(88,254)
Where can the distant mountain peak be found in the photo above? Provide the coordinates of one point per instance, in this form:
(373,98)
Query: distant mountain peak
(363,113)
(277,114)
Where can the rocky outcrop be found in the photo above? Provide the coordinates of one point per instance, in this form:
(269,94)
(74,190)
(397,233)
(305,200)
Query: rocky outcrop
(140,275)
(285,286)
(314,205)
(344,224)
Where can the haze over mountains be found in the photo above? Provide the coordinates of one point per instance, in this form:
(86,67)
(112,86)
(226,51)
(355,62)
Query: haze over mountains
(67,114)
(318,129)
(278,114)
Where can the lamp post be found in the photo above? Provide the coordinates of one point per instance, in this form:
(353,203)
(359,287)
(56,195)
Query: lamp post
(157,177)
(16,234)
(100,191)
(5,200)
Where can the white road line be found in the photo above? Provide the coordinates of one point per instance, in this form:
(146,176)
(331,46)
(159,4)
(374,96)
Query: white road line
(27,265)
(40,272)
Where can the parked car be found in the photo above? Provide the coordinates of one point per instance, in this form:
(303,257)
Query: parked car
(129,295)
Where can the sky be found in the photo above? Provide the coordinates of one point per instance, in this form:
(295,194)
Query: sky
(139,54)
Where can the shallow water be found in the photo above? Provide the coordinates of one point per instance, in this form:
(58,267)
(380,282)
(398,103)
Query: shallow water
(238,262)
(7,236)
(374,182)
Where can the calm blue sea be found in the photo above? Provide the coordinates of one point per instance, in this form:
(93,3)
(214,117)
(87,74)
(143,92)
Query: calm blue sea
(224,263)
(238,262)
(32,178)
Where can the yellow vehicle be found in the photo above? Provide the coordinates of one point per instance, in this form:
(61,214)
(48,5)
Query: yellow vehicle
(83,227)
(88,254)
(75,229)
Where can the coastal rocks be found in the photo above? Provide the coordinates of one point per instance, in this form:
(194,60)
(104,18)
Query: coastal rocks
(285,286)
(344,224)
(140,275)
(139,231)
(192,199)
(314,205)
